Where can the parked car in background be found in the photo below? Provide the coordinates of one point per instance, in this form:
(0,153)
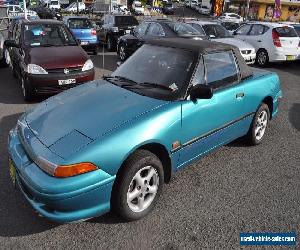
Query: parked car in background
(72,8)
(218,33)
(231,26)
(45,13)
(54,4)
(231,17)
(114,26)
(168,8)
(138,8)
(155,29)
(120,9)
(46,58)
(273,42)
(204,10)
(16,10)
(192,4)
(121,138)
(84,31)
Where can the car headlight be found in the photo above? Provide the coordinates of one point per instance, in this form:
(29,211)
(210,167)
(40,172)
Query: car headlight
(36,69)
(88,65)
(114,29)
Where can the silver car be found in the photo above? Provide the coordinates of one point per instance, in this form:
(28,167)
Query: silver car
(218,33)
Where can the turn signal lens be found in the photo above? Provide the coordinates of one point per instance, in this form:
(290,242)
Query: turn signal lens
(93,32)
(74,169)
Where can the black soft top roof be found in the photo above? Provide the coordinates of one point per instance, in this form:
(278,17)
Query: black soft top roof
(204,47)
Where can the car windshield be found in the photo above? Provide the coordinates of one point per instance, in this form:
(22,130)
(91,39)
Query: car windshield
(156,71)
(230,26)
(216,31)
(126,20)
(77,23)
(46,35)
(184,29)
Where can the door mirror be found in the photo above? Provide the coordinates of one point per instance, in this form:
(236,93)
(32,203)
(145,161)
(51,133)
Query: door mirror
(11,44)
(201,91)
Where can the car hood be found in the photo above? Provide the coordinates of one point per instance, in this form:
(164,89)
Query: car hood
(236,42)
(88,111)
(56,57)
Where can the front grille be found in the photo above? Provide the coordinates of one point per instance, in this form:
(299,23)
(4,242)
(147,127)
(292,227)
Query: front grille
(59,71)
(246,52)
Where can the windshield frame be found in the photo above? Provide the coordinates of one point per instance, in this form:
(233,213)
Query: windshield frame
(158,93)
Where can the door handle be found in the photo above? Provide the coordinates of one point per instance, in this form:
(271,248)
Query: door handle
(259,41)
(239,95)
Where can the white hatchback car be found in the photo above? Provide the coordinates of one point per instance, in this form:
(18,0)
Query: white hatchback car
(231,17)
(272,41)
(218,33)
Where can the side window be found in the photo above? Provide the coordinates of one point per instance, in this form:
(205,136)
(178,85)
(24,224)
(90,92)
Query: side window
(199,75)
(155,30)
(243,30)
(257,30)
(197,27)
(221,69)
(141,29)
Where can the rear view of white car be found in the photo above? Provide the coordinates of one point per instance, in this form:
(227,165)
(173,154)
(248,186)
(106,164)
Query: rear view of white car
(218,33)
(231,17)
(272,41)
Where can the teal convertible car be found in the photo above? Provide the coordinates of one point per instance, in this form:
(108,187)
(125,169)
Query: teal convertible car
(113,143)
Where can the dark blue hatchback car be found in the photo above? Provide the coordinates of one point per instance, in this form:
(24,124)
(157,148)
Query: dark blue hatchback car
(84,31)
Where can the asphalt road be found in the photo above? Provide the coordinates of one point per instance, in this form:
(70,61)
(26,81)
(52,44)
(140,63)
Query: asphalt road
(234,189)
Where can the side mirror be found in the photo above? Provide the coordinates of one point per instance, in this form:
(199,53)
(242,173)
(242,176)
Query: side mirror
(201,91)
(11,44)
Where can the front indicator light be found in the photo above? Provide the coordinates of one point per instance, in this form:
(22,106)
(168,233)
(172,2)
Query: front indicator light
(74,169)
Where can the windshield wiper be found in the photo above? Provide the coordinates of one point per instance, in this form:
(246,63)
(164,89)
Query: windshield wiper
(121,78)
(155,85)
(133,84)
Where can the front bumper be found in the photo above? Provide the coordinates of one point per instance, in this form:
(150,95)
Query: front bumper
(48,84)
(60,199)
(249,58)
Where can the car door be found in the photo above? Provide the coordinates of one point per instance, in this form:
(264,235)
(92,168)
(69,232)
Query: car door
(256,36)
(17,53)
(209,123)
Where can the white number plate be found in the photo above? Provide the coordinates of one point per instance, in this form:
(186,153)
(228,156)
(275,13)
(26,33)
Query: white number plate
(84,43)
(66,82)
(127,31)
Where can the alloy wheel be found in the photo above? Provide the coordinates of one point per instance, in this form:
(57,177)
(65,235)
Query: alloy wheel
(261,125)
(262,58)
(23,87)
(142,189)
(122,53)
(7,57)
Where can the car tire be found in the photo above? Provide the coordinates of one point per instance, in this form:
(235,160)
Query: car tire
(262,58)
(110,44)
(259,125)
(27,90)
(122,52)
(137,186)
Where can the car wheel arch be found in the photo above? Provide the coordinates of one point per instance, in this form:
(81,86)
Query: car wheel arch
(269,101)
(157,149)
